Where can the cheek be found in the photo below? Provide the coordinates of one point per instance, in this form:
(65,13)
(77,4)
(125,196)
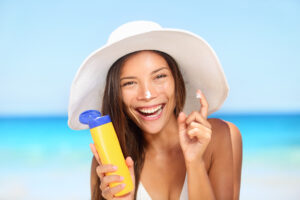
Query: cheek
(128,96)
(169,88)
(128,100)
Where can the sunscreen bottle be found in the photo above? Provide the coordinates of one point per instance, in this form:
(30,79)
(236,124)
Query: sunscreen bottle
(108,146)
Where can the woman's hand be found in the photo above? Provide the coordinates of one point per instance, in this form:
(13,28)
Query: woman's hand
(101,170)
(194,132)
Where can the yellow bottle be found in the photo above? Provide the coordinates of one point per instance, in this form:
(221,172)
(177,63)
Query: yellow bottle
(108,146)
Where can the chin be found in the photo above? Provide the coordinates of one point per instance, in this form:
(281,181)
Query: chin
(151,129)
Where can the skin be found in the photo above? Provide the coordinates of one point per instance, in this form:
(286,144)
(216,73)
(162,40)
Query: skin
(209,151)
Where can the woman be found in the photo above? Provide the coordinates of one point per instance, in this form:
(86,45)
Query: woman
(171,154)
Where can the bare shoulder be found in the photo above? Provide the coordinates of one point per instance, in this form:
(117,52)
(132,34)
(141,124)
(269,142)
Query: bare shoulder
(226,134)
(234,131)
(220,138)
(222,128)
(218,124)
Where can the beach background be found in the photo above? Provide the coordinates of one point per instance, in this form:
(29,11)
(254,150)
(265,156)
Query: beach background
(42,44)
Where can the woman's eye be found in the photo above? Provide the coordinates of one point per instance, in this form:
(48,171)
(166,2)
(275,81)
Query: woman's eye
(161,76)
(128,83)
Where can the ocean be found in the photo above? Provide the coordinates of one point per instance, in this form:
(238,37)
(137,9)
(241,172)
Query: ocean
(41,158)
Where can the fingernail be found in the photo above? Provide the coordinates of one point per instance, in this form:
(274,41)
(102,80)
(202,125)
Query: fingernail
(123,185)
(121,178)
(115,167)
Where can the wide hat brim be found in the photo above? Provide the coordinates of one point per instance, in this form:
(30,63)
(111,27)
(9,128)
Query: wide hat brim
(197,61)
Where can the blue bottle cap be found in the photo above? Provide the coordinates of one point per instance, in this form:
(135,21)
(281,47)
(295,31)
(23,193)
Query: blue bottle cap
(93,118)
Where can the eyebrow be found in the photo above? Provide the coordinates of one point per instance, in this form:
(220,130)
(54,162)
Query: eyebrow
(159,69)
(155,71)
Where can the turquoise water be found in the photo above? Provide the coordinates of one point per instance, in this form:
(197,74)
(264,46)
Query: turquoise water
(41,140)
(267,131)
(41,153)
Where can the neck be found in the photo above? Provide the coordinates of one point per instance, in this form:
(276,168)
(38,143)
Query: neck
(166,141)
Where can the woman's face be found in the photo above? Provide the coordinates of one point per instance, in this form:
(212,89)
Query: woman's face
(148,90)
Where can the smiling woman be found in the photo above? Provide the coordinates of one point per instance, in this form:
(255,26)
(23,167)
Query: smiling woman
(148,90)
(170,154)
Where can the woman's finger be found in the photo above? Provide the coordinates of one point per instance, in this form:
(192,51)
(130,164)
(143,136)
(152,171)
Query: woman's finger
(109,193)
(130,165)
(103,169)
(118,188)
(106,193)
(100,175)
(181,122)
(112,178)
(200,133)
(193,125)
(94,151)
(203,103)
(106,180)
(197,117)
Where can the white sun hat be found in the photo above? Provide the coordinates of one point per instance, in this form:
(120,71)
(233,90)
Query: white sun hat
(197,61)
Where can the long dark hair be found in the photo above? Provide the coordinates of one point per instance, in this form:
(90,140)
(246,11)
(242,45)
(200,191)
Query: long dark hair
(130,136)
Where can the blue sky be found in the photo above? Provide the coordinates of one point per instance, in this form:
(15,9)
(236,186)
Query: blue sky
(42,44)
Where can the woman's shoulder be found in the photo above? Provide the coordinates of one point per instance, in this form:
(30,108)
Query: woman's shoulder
(222,128)
(223,131)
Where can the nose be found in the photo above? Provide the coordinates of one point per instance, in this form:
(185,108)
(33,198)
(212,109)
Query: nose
(146,92)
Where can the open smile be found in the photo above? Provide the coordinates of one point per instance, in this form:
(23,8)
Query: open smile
(150,112)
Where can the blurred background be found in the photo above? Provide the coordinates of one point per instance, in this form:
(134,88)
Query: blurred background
(42,44)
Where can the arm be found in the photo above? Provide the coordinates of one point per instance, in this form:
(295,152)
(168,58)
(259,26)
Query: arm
(218,182)
(223,178)
(196,133)
(237,149)
(221,171)
(199,186)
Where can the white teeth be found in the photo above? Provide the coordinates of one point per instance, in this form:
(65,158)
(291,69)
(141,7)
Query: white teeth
(151,110)
(154,115)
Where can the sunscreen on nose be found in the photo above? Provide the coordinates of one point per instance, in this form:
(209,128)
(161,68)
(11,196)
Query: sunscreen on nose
(108,146)
(148,95)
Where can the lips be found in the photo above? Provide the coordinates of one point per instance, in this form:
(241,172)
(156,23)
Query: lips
(151,112)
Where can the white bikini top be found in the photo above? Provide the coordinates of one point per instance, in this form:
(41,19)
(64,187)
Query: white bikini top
(142,193)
